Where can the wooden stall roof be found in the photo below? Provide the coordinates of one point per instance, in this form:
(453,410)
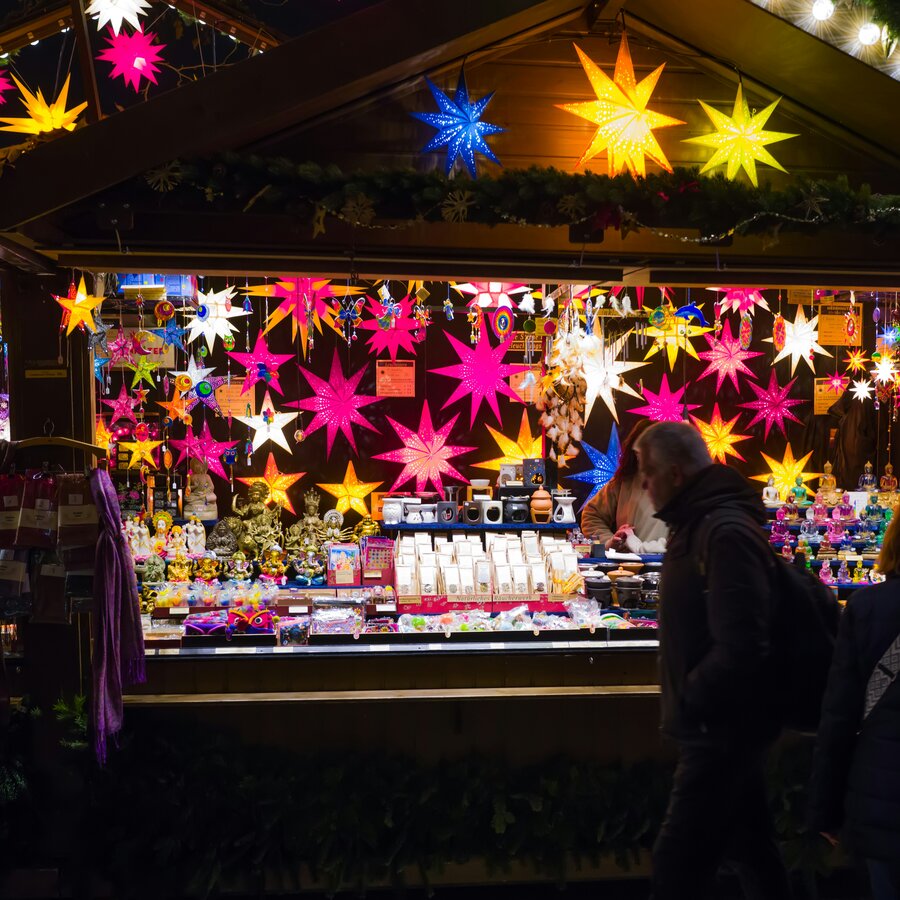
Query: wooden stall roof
(349,102)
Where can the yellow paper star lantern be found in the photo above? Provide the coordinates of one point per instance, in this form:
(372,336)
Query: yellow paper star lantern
(526,446)
(674,334)
(102,435)
(739,139)
(351,493)
(624,124)
(42,116)
(718,435)
(277,483)
(140,452)
(786,472)
(79,310)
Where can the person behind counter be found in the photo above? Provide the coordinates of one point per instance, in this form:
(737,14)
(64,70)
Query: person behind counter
(622,505)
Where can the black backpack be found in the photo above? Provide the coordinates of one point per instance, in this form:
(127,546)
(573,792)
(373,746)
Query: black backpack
(804,628)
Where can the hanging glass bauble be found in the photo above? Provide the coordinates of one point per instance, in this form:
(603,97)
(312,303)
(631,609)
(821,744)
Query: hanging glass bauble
(779,332)
(746,331)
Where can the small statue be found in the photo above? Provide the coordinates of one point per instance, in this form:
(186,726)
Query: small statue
(826,576)
(272,567)
(293,539)
(828,485)
(809,531)
(177,543)
(200,493)
(179,569)
(873,512)
(835,533)
(791,510)
(207,568)
(787,552)
(819,510)
(196,537)
(859,573)
(844,511)
(867,481)
(239,567)
(770,493)
(888,482)
(261,527)
(162,523)
(367,527)
(332,530)
(800,492)
(222,540)
(843,575)
(310,524)
(826,549)
(154,570)
(310,570)
(780,533)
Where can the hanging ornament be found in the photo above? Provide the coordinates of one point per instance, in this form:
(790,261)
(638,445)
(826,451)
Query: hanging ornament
(43,117)
(779,332)
(117,11)
(474,318)
(502,322)
(746,331)
(164,310)
(134,56)
(348,317)
(448,309)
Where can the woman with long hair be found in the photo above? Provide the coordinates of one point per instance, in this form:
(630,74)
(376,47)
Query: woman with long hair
(856,772)
(622,504)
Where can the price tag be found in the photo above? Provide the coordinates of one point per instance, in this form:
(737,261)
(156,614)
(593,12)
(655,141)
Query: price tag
(298,609)
(495,646)
(179,610)
(385,607)
(378,648)
(234,650)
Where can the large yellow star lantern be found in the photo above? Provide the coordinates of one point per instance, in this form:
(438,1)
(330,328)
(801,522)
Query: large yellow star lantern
(43,116)
(739,139)
(351,493)
(673,333)
(526,446)
(624,124)
(718,435)
(787,471)
(277,483)
(141,451)
(78,311)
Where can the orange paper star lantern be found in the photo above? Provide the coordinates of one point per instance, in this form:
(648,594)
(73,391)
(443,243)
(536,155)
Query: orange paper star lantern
(718,435)
(277,483)
(43,116)
(78,311)
(351,493)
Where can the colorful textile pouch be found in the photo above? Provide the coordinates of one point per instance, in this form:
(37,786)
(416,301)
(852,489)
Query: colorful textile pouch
(293,630)
(250,620)
(206,623)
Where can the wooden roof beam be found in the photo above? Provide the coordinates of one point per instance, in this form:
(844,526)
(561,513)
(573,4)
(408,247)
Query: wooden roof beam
(303,78)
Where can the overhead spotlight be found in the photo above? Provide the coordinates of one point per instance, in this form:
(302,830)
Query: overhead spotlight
(869,34)
(822,10)
(35,43)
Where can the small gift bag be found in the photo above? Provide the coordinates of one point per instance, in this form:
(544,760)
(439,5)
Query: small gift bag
(77,513)
(38,517)
(11,490)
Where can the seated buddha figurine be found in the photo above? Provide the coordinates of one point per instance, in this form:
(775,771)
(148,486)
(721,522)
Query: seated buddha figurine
(828,486)
(801,493)
(859,573)
(867,481)
(780,533)
(843,575)
(787,551)
(844,511)
(770,494)
(835,533)
(826,549)
(887,485)
(809,531)
(873,512)
(826,576)
(791,510)
(819,510)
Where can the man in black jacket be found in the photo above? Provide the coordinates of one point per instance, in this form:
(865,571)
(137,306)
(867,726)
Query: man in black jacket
(715,625)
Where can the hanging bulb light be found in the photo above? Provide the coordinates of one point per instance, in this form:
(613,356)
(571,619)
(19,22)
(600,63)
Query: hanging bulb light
(822,10)
(869,34)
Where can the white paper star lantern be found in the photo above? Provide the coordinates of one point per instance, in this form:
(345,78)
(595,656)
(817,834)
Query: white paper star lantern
(603,371)
(213,316)
(801,341)
(115,11)
(268,425)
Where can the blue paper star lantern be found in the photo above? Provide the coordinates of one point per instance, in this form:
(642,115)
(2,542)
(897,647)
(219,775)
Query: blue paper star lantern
(99,363)
(170,333)
(459,126)
(604,464)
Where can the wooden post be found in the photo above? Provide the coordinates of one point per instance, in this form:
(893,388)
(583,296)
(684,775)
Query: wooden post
(86,60)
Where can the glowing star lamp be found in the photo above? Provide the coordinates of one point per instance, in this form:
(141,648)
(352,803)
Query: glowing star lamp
(134,56)
(459,126)
(862,389)
(481,374)
(718,435)
(5,85)
(739,139)
(741,300)
(526,446)
(78,311)
(268,425)
(43,117)
(351,493)
(801,341)
(665,406)
(624,124)
(261,365)
(141,451)
(102,435)
(603,465)
(277,483)
(603,370)
(786,472)
(726,358)
(336,404)
(674,334)
(492,294)
(425,454)
(213,316)
(122,407)
(117,11)
(837,383)
(397,333)
(772,404)
(203,447)
(856,361)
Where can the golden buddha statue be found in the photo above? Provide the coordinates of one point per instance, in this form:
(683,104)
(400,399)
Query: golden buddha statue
(179,568)
(828,486)
(887,486)
(366,527)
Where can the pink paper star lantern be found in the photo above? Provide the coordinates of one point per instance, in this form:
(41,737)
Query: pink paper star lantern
(492,294)
(740,300)
(390,334)
(481,374)
(121,350)
(726,358)
(336,403)
(426,454)
(203,447)
(665,406)
(122,407)
(134,56)
(838,383)
(261,365)
(772,404)
(5,85)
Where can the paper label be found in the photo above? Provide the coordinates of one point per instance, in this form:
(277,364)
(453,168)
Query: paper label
(74,500)
(12,570)
(395,378)
(9,520)
(77,515)
(42,504)
(11,501)
(343,576)
(232,402)
(53,570)
(40,519)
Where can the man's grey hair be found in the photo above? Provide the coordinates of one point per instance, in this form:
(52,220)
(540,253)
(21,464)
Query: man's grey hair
(675,442)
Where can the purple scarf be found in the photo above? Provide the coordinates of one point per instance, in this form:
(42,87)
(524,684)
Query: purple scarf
(118,639)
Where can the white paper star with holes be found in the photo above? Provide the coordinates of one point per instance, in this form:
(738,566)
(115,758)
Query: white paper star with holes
(193,371)
(268,425)
(800,341)
(603,371)
(213,316)
(117,11)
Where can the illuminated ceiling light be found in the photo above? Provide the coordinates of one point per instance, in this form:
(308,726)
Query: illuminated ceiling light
(35,43)
(869,34)
(822,10)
